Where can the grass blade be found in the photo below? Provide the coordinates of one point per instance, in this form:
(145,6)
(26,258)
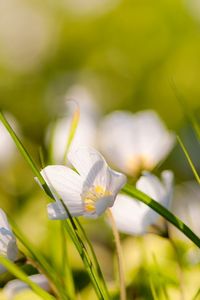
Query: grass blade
(189,159)
(96,263)
(69,224)
(197,295)
(153,290)
(81,248)
(40,262)
(161,210)
(191,117)
(72,131)
(66,269)
(17,272)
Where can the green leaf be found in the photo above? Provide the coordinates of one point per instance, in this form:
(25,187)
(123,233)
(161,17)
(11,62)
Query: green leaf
(16,271)
(189,160)
(25,154)
(66,268)
(187,111)
(153,290)
(72,131)
(40,261)
(161,210)
(197,295)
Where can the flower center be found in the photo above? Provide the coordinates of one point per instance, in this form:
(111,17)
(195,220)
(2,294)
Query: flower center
(139,163)
(92,195)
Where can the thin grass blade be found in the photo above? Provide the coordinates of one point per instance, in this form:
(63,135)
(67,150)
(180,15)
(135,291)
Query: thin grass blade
(161,210)
(72,131)
(17,272)
(189,160)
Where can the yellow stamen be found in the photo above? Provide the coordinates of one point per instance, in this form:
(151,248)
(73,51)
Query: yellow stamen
(92,195)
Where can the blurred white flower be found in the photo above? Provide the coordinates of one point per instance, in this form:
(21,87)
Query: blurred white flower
(84,136)
(7,146)
(85,100)
(186,205)
(27,34)
(134,142)
(79,99)
(134,217)
(193,7)
(8,247)
(13,287)
(86,193)
(90,7)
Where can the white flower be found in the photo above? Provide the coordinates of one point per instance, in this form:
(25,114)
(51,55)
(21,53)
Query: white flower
(8,247)
(85,100)
(86,193)
(84,136)
(133,216)
(78,98)
(186,205)
(13,287)
(134,142)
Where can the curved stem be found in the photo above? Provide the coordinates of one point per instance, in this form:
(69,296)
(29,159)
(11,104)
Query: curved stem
(119,256)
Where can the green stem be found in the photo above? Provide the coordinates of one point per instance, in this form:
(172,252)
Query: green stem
(97,266)
(119,256)
(189,160)
(66,268)
(86,260)
(161,210)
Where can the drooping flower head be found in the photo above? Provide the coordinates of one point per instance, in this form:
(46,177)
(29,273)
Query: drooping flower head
(134,217)
(87,192)
(78,103)
(134,142)
(8,247)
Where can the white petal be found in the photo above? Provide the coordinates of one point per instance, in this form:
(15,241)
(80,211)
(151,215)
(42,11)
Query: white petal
(87,161)
(186,205)
(56,211)
(84,99)
(154,141)
(154,188)
(168,182)
(8,245)
(3,220)
(167,178)
(40,280)
(131,216)
(126,138)
(117,138)
(65,183)
(84,136)
(13,287)
(102,204)
(151,185)
(116,181)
